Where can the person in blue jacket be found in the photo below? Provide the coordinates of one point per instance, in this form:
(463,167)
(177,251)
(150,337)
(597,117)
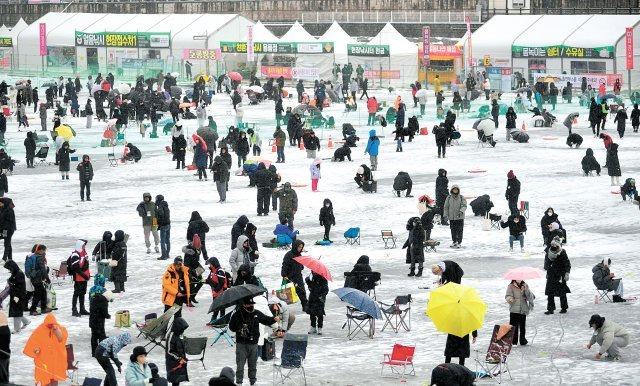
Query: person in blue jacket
(372,149)
(283,229)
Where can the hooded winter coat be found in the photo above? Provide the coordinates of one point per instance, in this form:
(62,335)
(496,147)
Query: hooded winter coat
(136,374)
(262,177)
(590,163)
(635,116)
(17,289)
(51,362)
(240,256)
(442,188)
(401,181)
(171,284)
(318,290)
(521,296)
(513,188)
(80,262)
(481,205)
(250,232)
(111,346)
(147,211)
(226,378)
(548,220)
(245,276)
(200,155)
(326,213)
(237,229)
(64,158)
(119,253)
(85,169)
(246,324)
(607,333)
(288,199)
(372,144)
(415,242)
(176,371)
(602,277)
(7,215)
(220,170)
(197,226)
(162,211)
(29,144)
(557,264)
(454,205)
(452,374)
(102,250)
(511,118)
(613,164)
(291,268)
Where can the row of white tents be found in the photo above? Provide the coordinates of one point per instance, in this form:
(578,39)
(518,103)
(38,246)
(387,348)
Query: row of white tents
(86,41)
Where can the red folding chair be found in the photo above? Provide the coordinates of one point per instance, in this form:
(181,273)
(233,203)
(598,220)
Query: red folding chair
(72,365)
(399,361)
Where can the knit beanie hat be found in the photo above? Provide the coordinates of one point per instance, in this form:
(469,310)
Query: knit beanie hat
(510,175)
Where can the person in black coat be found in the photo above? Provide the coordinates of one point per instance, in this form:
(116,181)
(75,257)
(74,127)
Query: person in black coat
(291,271)
(452,374)
(613,164)
(134,153)
(481,205)
(442,191)
(327,219)
(621,119)
(517,225)
(442,134)
(449,271)
(17,296)
(30,148)
(402,182)
(85,174)
(548,218)
(458,347)
(242,149)
(5,349)
(558,266)
(227,377)
(318,290)
(495,111)
(175,354)
(163,216)
(237,229)
(427,220)
(119,253)
(7,225)
(341,153)
(98,313)
(64,159)
(102,250)
(589,163)
(180,146)
(415,246)
(511,117)
(352,281)
(250,232)
(635,118)
(595,113)
(262,179)
(363,175)
(192,262)
(246,276)
(513,192)
(197,226)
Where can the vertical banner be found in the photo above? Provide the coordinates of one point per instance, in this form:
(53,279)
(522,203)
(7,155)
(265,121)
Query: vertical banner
(43,39)
(250,53)
(629,46)
(426,38)
(469,56)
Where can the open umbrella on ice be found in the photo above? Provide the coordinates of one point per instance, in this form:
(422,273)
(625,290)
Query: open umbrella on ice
(208,135)
(49,84)
(609,96)
(235,76)
(486,125)
(523,273)
(524,89)
(124,88)
(175,91)
(456,309)
(314,265)
(65,132)
(359,300)
(256,89)
(95,88)
(233,295)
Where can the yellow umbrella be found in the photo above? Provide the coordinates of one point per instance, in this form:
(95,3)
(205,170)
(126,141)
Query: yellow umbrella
(551,79)
(65,132)
(201,76)
(456,309)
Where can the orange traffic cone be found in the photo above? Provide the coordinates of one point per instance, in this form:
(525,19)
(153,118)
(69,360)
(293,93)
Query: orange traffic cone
(301,145)
(273,148)
(524,126)
(330,144)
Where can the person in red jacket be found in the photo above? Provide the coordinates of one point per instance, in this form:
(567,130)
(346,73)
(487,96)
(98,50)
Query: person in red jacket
(372,107)
(607,140)
(79,269)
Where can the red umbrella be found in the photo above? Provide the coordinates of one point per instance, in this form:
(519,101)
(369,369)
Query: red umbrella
(235,76)
(315,265)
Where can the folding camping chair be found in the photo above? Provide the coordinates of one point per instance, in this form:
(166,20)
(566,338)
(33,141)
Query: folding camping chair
(387,236)
(294,352)
(495,220)
(155,330)
(284,242)
(524,209)
(497,353)
(400,359)
(352,236)
(60,272)
(221,327)
(72,365)
(395,314)
(603,295)
(92,382)
(113,161)
(195,346)
(41,155)
(148,318)
(430,245)
(356,323)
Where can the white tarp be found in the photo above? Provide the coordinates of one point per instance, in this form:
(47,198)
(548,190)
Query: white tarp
(340,40)
(609,29)
(262,34)
(297,34)
(495,37)
(552,30)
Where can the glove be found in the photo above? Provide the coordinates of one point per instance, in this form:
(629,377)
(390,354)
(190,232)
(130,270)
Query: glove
(566,276)
(4,233)
(150,381)
(16,299)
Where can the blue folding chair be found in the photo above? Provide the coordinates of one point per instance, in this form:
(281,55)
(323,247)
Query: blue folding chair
(352,236)
(284,241)
(221,327)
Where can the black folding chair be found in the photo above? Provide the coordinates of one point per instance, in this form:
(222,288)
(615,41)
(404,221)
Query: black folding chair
(195,346)
(495,220)
(359,322)
(294,352)
(364,281)
(156,330)
(41,155)
(398,314)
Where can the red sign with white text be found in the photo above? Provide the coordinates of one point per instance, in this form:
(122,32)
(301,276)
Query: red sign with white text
(629,46)
(43,39)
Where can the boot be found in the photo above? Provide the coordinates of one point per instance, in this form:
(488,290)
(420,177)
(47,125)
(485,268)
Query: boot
(312,330)
(319,331)
(412,272)
(157,249)
(148,250)
(618,299)
(83,311)
(419,274)
(75,312)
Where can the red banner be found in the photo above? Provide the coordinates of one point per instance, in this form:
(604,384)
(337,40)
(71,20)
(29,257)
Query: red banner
(43,39)
(426,52)
(275,72)
(384,74)
(629,45)
(469,56)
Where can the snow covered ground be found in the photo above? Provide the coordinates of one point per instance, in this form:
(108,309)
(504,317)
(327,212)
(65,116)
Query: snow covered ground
(598,223)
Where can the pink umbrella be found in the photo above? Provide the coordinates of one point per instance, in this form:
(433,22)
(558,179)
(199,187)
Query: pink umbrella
(315,265)
(266,162)
(524,273)
(235,76)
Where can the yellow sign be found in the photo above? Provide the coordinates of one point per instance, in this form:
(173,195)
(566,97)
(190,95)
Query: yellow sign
(487,61)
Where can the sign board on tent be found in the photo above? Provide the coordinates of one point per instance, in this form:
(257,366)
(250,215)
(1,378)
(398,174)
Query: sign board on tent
(61,56)
(132,63)
(593,80)
(367,50)
(426,42)
(382,74)
(43,39)
(123,39)
(629,45)
(250,53)
(278,48)
(561,51)
(201,54)
(290,72)
(6,42)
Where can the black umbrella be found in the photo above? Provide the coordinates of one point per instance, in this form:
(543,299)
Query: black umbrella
(208,135)
(234,294)
(524,89)
(49,84)
(175,91)
(520,136)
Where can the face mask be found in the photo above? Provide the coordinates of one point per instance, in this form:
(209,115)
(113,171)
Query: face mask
(515,220)
(249,308)
(327,205)
(550,213)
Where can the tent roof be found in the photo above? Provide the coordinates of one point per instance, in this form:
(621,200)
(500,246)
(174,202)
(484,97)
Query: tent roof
(207,24)
(61,34)
(145,22)
(397,43)
(551,30)
(585,36)
(499,32)
(4,31)
(19,27)
(297,34)
(262,34)
(337,35)
(176,23)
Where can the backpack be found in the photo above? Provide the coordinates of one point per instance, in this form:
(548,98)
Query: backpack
(196,242)
(29,266)
(70,261)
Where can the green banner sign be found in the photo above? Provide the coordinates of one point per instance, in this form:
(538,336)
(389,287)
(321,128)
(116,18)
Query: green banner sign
(278,48)
(6,42)
(124,39)
(367,50)
(561,51)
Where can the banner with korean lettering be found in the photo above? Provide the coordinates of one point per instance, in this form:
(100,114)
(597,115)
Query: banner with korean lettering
(367,50)
(629,46)
(201,54)
(469,54)
(382,74)
(426,41)
(123,39)
(6,42)
(250,51)
(275,72)
(593,80)
(560,51)
(43,39)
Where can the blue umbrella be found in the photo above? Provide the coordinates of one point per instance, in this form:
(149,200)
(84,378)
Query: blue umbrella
(360,301)
(609,96)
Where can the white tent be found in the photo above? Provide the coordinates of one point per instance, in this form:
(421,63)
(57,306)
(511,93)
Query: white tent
(262,34)
(4,31)
(297,34)
(403,55)
(340,40)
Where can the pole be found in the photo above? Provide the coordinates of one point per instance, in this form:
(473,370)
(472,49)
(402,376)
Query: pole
(629,82)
